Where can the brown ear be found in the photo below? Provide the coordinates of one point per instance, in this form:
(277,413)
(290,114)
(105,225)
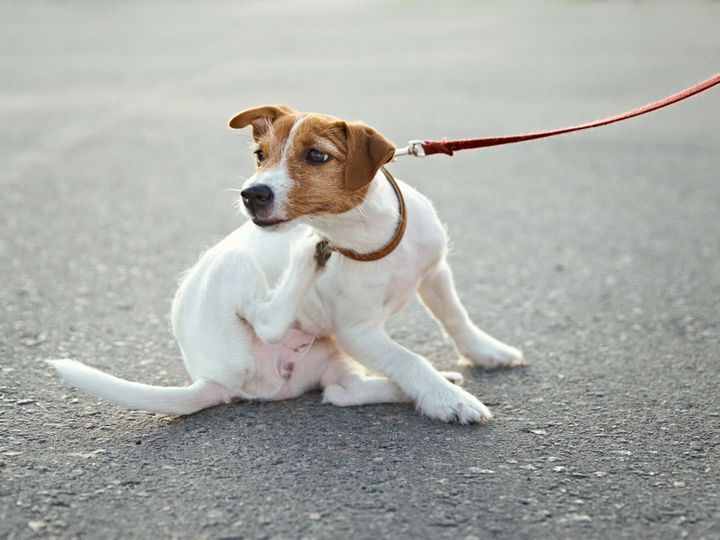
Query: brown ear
(260,118)
(367,151)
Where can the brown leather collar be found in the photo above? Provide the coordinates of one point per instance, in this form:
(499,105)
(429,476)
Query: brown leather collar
(393,243)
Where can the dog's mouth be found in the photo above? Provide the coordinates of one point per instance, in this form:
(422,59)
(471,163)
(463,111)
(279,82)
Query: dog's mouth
(268,222)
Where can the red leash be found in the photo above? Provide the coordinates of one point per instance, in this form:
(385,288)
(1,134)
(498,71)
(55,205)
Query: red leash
(427,148)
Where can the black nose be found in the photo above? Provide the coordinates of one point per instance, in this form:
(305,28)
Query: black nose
(256,196)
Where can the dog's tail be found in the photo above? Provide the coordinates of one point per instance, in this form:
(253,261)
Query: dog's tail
(175,400)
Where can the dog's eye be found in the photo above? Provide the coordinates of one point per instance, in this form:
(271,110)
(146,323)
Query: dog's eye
(259,156)
(316,157)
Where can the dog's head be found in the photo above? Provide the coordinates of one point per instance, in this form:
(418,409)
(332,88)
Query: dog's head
(307,164)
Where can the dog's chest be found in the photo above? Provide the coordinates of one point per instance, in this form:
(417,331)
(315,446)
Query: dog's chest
(350,293)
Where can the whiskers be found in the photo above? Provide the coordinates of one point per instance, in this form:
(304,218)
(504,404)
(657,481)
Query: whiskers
(237,203)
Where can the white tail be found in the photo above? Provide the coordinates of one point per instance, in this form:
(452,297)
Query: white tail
(176,400)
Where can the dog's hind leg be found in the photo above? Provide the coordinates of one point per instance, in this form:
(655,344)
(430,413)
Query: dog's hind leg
(359,389)
(345,383)
(437,292)
(275,310)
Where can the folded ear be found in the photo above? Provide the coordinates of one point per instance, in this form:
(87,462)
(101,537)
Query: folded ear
(260,118)
(367,151)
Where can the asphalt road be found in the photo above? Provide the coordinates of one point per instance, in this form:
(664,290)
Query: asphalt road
(597,253)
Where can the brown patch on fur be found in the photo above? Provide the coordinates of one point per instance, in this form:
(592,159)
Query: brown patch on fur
(273,141)
(319,189)
(367,151)
(261,118)
(357,152)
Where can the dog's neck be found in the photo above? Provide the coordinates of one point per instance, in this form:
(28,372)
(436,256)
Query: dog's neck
(367,227)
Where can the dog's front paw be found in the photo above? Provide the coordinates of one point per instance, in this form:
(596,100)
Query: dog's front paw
(453,404)
(488,352)
(503,356)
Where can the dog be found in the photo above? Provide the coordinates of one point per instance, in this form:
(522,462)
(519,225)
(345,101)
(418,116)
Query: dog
(296,299)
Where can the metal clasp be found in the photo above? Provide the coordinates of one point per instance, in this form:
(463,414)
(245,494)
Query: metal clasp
(414,148)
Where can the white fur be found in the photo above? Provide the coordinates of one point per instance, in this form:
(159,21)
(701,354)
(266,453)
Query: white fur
(315,328)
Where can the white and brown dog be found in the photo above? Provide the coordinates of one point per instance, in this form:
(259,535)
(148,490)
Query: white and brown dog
(345,248)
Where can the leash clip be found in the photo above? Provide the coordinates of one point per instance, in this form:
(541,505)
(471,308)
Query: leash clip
(414,148)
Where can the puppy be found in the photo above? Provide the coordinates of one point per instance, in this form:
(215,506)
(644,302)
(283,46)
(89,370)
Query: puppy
(344,247)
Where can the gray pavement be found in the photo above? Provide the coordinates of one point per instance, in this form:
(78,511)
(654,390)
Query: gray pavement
(598,254)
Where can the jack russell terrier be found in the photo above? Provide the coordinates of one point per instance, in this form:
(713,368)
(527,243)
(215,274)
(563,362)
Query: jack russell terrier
(346,247)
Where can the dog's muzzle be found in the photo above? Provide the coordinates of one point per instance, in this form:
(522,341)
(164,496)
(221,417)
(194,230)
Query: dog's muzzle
(257,197)
(258,200)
